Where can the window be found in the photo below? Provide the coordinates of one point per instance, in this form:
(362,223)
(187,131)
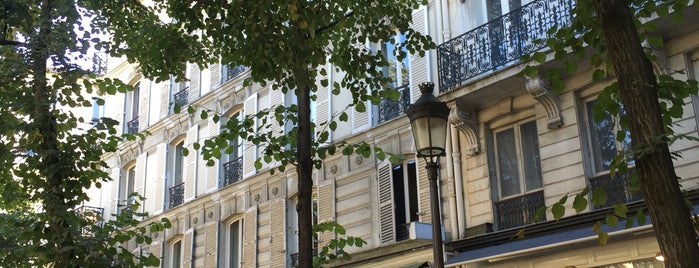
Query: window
(132,109)
(176,185)
(399,72)
(517,172)
(179,94)
(398,200)
(173,255)
(603,147)
(232,239)
(97,110)
(232,160)
(126,187)
(230,71)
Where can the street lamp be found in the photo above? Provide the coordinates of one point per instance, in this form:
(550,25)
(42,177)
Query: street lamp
(428,119)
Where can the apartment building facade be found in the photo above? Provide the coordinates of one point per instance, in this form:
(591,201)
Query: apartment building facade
(514,145)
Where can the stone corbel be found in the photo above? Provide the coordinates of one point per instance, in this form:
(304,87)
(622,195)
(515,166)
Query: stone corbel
(540,89)
(466,121)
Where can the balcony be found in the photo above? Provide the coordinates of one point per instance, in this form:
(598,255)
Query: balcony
(233,72)
(176,195)
(501,42)
(232,171)
(132,126)
(520,210)
(93,214)
(389,109)
(181,98)
(615,189)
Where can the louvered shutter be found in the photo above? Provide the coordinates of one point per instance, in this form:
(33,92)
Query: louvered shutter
(215,75)
(190,166)
(250,151)
(159,187)
(188,248)
(202,169)
(140,180)
(250,238)
(326,209)
(212,171)
(278,235)
(211,244)
(361,120)
(193,83)
(419,66)
(156,248)
(323,98)
(151,183)
(114,198)
(143,104)
(387,230)
(424,192)
(118,112)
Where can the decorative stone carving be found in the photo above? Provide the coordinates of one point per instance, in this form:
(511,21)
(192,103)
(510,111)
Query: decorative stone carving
(358,160)
(333,169)
(540,89)
(466,121)
(210,214)
(275,191)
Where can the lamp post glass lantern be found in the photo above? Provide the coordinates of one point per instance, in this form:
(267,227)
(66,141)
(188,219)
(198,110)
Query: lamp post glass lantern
(428,120)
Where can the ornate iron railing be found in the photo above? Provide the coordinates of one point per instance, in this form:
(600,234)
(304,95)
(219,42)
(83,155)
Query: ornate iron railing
(520,210)
(94,214)
(232,171)
(233,72)
(615,189)
(403,231)
(500,42)
(389,109)
(294,259)
(181,98)
(132,126)
(176,195)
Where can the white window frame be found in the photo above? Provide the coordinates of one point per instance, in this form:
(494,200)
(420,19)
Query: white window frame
(168,260)
(225,251)
(516,127)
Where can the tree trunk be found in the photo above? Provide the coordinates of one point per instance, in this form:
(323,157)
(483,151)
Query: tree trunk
(305,180)
(659,183)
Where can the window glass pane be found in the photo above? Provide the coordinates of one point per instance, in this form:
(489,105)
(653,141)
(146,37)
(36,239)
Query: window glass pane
(234,259)
(176,254)
(530,156)
(508,171)
(602,142)
(178,164)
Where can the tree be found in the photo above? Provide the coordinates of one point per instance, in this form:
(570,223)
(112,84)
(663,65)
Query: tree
(615,30)
(49,155)
(283,43)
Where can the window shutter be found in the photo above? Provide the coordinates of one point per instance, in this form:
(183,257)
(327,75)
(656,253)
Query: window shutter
(323,98)
(419,66)
(139,182)
(114,198)
(249,151)
(156,248)
(150,204)
(212,171)
(211,241)
(215,75)
(326,209)
(193,82)
(276,99)
(424,192)
(202,169)
(361,120)
(278,235)
(159,188)
(143,104)
(190,166)
(250,238)
(187,248)
(387,230)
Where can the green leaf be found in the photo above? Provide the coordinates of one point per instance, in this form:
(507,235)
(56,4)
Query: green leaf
(602,238)
(597,226)
(612,220)
(641,217)
(531,71)
(598,75)
(360,107)
(579,203)
(539,57)
(558,211)
(655,41)
(344,117)
(620,210)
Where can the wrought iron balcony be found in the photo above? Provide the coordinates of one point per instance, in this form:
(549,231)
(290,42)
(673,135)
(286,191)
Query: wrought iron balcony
(500,42)
(232,171)
(616,190)
(94,214)
(520,210)
(132,126)
(233,72)
(403,231)
(181,98)
(389,109)
(176,195)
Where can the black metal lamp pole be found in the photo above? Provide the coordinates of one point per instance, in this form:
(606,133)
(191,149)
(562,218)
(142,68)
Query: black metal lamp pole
(428,120)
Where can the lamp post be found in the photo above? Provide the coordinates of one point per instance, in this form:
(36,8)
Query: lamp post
(428,120)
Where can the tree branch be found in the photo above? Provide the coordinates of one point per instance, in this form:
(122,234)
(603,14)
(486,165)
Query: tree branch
(321,29)
(4,42)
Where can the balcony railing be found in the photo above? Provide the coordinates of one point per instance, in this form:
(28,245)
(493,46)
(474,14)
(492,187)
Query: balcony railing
(294,259)
(232,171)
(233,71)
(181,98)
(132,126)
(389,109)
(520,210)
(500,42)
(403,232)
(93,214)
(176,195)
(616,190)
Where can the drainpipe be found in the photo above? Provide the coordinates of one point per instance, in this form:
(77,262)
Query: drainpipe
(445,24)
(451,193)
(458,181)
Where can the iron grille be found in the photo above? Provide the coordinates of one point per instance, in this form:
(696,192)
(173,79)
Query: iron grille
(176,195)
(233,72)
(616,189)
(181,98)
(520,210)
(500,42)
(132,126)
(232,171)
(389,109)
(403,231)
